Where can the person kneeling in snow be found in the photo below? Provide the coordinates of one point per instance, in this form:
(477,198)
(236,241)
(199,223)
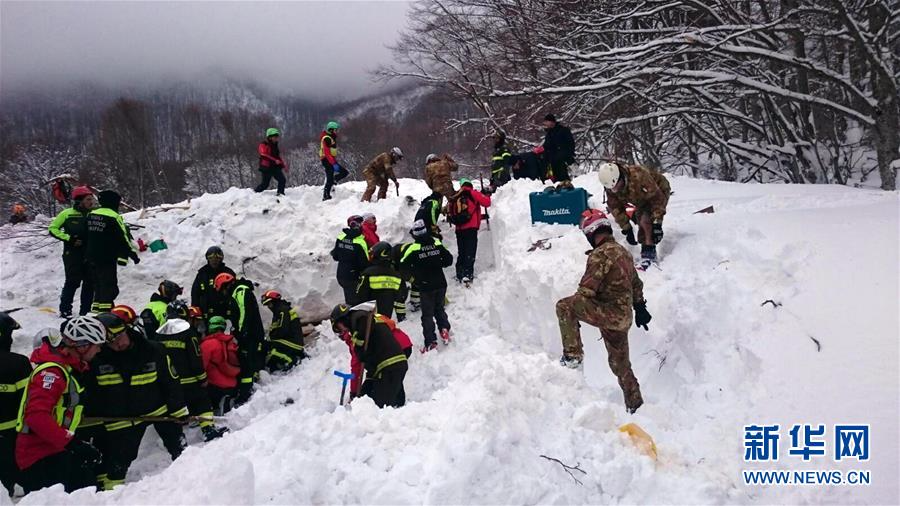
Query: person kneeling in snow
(606,294)
(374,345)
(220,361)
(285,344)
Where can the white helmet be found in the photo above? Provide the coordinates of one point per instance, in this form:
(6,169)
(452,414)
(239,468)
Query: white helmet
(397,152)
(430,158)
(85,329)
(51,334)
(609,174)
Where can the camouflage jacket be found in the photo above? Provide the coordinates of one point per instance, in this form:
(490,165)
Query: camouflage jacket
(611,280)
(382,166)
(646,189)
(440,169)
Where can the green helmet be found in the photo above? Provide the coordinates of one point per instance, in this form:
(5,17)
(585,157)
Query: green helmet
(464,181)
(272,131)
(332,125)
(216,323)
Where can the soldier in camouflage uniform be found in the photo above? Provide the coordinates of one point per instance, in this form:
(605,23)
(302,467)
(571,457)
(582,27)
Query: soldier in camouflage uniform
(437,173)
(606,294)
(648,191)
(379,171)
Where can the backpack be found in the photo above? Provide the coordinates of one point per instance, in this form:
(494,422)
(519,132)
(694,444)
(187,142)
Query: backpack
(458,210)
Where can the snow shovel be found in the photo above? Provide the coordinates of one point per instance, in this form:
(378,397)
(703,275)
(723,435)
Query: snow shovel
(345,376)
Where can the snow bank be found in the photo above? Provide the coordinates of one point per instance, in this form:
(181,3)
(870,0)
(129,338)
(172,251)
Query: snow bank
(482,411)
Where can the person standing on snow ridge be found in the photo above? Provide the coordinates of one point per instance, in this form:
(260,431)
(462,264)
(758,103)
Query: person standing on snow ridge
(370,229)
(220,360)
(559,149)
(109,244)
(465,214)
(334,172)
(131,377)
(352,255)
(155,314)
(372,342)
(426,259)
(438,175)
(608,291)
(285,344)
(379,171)
(70,227)
(648,191)
(47,451)
(14,372)
(270,162)
(247,327)
(501,161)
(380,282)
(203,293)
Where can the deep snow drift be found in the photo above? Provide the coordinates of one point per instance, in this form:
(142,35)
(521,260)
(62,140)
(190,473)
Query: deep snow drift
(482,411)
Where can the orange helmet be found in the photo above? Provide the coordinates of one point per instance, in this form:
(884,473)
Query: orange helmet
(195,312)
(270,296)
(126,313)
(18,209)
(222,280)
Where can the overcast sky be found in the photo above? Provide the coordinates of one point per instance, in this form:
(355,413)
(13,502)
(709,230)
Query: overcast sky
(319,49)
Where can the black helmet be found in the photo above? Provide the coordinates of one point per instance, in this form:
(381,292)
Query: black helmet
(178,309)
(215,251)
(169,289)
(339,313)
(381,251)
(7,325)
(114,323)
(109,199)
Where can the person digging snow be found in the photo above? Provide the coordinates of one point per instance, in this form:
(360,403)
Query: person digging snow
(608,291)
(438,175)
(648,191)
(285,344)
(271,165)
(379,171)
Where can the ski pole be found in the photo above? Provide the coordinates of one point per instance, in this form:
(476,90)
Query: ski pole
(345,376)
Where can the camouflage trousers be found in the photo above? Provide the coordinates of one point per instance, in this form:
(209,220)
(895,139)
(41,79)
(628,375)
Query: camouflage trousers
(373,180)
(441,183)
(570,311)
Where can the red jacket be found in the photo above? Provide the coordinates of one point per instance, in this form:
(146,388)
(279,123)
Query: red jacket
(219,354)
(476,202)
(266,158)
(356,366)
(370,233)
(45,437)
(327,152)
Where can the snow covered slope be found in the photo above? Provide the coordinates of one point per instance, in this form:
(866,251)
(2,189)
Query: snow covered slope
(482,411)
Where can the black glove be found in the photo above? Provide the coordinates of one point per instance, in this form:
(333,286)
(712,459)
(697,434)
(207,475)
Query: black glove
(629,236)
(657,233)
(85,452)
(244,391)
(401,317)
(135,258)
(641,315)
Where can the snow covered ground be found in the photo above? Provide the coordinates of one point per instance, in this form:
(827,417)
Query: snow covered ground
(482,411)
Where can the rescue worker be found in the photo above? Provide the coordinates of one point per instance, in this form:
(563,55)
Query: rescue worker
(374,345)
(109,245)
(156,313)
(334,172)
(220,360)
(466,217)
(131,378)
(285,344)
(608,291)
(400,304)
(19,215)
(271,165)
(352,255)
(369,229)
(47,451)
(438,175)
(182,344)
(645,189)
(247,327)
(426,259)
(529,165)
(429,212)
(379,171)
(203,293)
(14,372)
(380,281)
(559,149)
(501,161)
(70,227)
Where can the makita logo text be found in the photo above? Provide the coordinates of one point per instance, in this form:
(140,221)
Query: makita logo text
(556,212)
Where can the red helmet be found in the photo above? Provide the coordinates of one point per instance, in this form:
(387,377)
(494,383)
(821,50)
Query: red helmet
(269,296)
(354,219)
(126,313)
(195,312)
(81,192)
(592,219)
(222,280)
